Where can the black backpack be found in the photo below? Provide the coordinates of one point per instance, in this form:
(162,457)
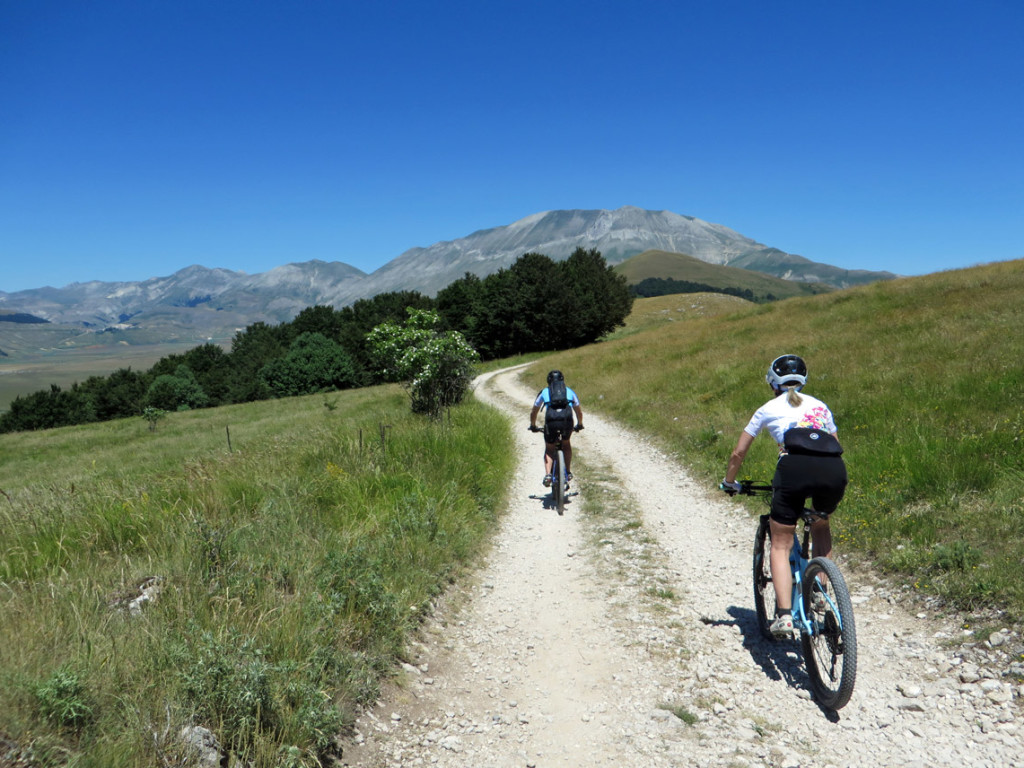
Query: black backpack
(558,398)
(558,414)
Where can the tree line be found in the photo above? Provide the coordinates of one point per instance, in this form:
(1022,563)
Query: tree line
(537,304)
(664,286)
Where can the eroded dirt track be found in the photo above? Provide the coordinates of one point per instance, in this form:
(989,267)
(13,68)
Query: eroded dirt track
(625,635)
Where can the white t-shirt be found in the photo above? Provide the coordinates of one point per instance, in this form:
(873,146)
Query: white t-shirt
(778,415)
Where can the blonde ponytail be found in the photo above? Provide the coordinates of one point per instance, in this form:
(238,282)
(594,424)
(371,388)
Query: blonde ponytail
(793,396)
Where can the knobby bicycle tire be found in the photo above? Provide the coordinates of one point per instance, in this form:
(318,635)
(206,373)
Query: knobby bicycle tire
(558,482)
(831,652)
(764,589)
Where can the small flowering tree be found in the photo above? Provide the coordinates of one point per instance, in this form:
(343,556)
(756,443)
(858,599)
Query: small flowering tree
(436,367)
(153,415)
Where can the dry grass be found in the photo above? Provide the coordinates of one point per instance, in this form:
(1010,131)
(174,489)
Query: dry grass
(925,376)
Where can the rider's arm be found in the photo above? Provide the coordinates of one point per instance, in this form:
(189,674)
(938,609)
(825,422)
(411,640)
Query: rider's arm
(579,415)
(738,454)
(533,415)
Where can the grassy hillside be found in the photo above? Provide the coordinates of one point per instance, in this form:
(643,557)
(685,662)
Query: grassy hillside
(926,378)
(678,266)
(659,311)
(291,563)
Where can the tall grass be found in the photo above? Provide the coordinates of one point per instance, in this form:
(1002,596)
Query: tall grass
(290,570)
(295,543)
(926,379)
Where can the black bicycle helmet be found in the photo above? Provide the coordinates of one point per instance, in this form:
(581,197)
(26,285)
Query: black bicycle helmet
(787,369)
(555,376)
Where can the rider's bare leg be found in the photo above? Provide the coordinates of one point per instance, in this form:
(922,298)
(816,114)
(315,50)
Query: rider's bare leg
(549,457)
(782,576)
(821,536)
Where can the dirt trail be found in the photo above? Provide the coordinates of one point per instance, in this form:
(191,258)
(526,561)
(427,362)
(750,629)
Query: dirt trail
(626,636)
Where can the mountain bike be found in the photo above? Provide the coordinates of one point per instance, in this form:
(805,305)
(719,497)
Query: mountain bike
(559,472)
(822,609)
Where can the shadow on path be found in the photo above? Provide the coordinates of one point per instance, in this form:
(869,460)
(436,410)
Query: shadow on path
(780,660)
(548,500)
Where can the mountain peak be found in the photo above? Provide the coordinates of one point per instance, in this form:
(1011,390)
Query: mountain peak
(216,300)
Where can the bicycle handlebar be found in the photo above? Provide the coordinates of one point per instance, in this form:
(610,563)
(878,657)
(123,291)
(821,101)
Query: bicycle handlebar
(755,488)
(747,488)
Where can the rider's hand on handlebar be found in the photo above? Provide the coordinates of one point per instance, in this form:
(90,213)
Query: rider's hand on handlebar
(730,488)
(577,428)
(533,428)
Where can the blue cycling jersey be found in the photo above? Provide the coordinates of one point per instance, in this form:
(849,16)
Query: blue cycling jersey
(545,397)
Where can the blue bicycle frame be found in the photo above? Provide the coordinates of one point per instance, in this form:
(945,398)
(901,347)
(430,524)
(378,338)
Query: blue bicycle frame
(798,561)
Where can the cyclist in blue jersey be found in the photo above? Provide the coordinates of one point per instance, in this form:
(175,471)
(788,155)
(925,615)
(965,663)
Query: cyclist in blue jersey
(559,403)
(810,466)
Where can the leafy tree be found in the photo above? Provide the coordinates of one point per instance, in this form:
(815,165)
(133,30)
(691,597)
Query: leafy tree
(435,366)
(314,363)
(118,395)
(46,409)
(252,349)
(459,304)
(541,303)
(364,315)
(599,300)
(664,286)
(319,319)
(212,368)
(179,391)
(494,331)
(534,305)
(522,308)
(152,416)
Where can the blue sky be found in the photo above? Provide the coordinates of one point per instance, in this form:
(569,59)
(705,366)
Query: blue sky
(143,136)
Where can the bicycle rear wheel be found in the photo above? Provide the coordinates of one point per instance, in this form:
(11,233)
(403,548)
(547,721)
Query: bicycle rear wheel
(764,589)
(558,482)
(831,652)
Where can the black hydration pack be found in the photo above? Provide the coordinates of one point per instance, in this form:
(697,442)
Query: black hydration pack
(807,441)
(558,414)
(558,397)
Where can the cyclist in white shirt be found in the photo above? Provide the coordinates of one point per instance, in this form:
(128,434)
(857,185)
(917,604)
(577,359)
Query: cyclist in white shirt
(810,466)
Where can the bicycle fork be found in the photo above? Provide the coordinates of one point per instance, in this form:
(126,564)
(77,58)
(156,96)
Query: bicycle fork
(798,559)
(799,556)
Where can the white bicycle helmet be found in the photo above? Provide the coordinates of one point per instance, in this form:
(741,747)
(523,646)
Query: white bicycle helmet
(787,369)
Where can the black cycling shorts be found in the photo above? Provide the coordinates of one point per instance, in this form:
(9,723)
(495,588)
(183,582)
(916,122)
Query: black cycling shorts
(552,429)
(822,479)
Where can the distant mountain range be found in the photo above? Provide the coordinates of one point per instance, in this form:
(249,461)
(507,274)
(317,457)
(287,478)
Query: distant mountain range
(203,303)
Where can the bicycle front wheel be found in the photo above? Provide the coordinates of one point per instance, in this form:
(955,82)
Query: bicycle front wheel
(558,482)
(830,652)
(764,589)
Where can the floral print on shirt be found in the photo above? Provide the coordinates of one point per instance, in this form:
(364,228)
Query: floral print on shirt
(816,418)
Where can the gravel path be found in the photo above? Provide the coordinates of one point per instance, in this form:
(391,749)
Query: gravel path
(623,634)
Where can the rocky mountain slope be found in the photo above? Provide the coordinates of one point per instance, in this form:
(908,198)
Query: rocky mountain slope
(618,235)
(200,302)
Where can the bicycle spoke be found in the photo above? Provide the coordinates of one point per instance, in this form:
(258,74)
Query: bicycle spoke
(764,589)
(830,652)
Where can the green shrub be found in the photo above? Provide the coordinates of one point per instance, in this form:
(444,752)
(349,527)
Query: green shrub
(64,700)
(228,681)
